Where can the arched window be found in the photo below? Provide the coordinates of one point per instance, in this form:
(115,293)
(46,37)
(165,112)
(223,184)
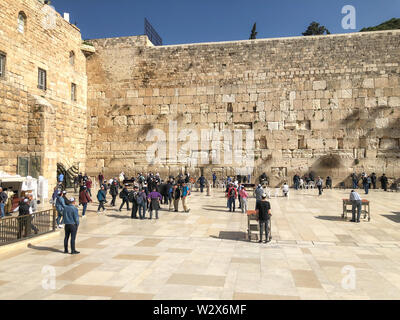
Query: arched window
(21,22)
(72,58)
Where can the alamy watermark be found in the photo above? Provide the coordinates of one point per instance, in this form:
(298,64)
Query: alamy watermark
(349,280)
(49,278)
(203,147)
(349,20)
(49,20)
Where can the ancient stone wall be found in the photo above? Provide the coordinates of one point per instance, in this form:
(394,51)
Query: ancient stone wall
(330,104)
(36,122)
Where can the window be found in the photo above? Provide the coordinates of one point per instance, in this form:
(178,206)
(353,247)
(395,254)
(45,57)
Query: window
(21,22)
(72,58)
(301,143)
(29,166)
(42,81)
(73,91)
(2,64)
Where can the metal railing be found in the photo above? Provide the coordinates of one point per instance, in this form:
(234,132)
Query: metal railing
(13,229)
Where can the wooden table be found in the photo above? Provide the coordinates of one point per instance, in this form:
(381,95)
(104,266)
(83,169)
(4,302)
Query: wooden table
(252,228)
(365,208)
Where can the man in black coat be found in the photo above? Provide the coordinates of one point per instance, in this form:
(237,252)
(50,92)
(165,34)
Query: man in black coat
(384,182)
(133,198)
(124,196)
(373,180)
(263,209)
(114,192)
(163,190)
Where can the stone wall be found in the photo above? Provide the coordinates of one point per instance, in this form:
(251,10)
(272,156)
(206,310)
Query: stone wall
(34,122)
(330,104)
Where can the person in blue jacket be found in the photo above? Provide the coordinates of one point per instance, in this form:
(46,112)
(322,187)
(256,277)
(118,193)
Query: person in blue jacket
(101,196)
(60,206)
(71,221)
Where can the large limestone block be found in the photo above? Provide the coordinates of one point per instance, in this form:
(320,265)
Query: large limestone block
(229,98)
(394,102)
(319,85)
(368,84)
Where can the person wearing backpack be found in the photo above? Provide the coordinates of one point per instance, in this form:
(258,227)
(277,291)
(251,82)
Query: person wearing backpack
(101,197)
(142,204)
(232,196)
(133,197)
(184,196)
(124,196)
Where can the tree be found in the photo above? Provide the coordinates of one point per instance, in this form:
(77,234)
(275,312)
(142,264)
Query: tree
(391,24)
(315,29)
(253,32)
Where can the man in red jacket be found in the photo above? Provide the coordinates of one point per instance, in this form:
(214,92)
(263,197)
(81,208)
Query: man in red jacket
(89,186)
(84,199)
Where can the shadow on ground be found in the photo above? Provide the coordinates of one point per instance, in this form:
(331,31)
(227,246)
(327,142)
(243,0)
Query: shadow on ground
(31,246)
(331,218)
(394,218)
(231,235)
(118,216)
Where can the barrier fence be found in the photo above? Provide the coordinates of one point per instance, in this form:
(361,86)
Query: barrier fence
(13,229)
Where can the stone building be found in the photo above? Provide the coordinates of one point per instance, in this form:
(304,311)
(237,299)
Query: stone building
(43,88)
(329,104)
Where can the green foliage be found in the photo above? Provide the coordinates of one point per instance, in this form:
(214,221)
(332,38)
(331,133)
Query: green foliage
(253,32)
(391,24)
(88,43)
(315,29)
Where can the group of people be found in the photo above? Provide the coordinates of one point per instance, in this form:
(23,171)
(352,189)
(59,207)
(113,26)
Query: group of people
(303,182)
(369,181)
(146,193)
(236,191)
(6,199)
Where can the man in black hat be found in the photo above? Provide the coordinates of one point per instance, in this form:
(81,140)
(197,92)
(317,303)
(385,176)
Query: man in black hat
(114,192)
(124,196)
(384,182)
(134,201)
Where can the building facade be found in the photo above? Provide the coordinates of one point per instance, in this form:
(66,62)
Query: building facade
(43,88)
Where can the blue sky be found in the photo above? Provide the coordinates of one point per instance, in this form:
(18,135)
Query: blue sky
(190,21)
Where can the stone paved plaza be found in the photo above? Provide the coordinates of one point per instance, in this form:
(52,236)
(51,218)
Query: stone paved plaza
(204,254)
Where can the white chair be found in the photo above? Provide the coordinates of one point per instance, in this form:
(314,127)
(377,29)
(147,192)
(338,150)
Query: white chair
(311,185)
(277,192)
